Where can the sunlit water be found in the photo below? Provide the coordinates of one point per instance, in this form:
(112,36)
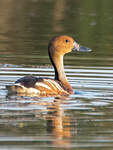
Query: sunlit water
(82,121)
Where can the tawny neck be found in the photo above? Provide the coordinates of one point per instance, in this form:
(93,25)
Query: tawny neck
(58,65)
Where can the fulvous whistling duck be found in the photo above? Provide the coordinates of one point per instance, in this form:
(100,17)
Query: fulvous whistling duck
(57,48)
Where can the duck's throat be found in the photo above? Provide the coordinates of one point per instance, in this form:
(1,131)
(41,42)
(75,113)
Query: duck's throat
(59,72)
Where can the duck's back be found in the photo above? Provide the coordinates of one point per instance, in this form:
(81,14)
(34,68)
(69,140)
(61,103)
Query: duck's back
(39,86)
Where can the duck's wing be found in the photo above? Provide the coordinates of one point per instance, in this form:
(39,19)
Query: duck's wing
(28,81)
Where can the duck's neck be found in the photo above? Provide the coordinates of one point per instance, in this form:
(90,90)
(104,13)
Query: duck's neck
(57,62)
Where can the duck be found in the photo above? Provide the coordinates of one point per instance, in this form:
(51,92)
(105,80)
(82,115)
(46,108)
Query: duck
(57,48)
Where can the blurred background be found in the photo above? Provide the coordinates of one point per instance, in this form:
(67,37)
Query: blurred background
(27,26)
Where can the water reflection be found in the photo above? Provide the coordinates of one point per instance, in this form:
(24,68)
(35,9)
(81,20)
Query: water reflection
(77,121)
(59,125)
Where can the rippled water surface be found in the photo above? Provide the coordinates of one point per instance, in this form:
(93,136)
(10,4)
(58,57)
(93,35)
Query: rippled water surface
(82,121)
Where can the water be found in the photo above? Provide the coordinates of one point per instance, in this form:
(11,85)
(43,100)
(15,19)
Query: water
(82,121)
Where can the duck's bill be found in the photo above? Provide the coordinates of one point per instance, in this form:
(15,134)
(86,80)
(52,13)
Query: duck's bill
(79,48)
(84,49)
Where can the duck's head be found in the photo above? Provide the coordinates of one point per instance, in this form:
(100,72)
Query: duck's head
(63,44)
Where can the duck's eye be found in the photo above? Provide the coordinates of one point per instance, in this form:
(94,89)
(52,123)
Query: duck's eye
(66,41)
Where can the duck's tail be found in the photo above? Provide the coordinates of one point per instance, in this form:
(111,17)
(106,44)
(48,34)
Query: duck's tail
(14,88)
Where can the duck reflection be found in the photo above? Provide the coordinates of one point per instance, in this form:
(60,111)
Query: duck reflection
(59,124)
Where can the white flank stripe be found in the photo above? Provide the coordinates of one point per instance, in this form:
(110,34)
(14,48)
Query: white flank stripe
(18,84)
(48,80)
(43,85)
(56,84)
